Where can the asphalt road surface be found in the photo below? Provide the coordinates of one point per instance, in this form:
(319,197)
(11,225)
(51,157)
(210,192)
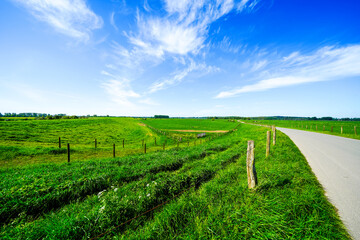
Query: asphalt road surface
(336,163)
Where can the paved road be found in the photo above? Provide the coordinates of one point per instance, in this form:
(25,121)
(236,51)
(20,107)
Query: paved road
(336,163)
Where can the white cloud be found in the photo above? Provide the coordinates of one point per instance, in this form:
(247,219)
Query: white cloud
(180,76)
(246,5)
(120,91)
(328,63)
(112,21)
(227,46)
(259,65)
(70,17)
(181,31)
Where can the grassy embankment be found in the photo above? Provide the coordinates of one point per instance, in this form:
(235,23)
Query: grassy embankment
(81,200)
(322,126)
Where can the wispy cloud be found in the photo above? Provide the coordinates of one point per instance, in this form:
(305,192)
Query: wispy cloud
(327,63)
(119,90)
(112,21)
(182,30)
(180,76)
(246,5)
(70,17)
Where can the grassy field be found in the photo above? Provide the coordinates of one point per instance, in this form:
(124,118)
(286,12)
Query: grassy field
(327,127)
(190,124)
(24,142)
(204,186)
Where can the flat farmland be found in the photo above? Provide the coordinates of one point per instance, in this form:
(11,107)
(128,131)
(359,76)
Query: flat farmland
(196,191)
(191,124)
(327,127)
(24,142)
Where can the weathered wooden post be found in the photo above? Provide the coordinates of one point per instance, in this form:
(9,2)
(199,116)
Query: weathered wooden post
(355,130)
(341,129)
(114,150)
(59,142)
(68,151)
(123,143)
(250,165)
(332,128)
(274,135)
(95,143)
(145,148)
(316,128)
(324,128)
(268,143)
(306,126)
(155,141)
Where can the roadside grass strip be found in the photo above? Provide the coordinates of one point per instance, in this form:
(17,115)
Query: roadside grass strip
(288,203)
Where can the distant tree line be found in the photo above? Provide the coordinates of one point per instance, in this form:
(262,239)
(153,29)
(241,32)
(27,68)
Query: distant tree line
(43,116)
(161,116)
(288,118)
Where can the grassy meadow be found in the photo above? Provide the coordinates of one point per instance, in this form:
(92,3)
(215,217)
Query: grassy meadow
(327,127)
(190,124)
(203,186)
(24,142)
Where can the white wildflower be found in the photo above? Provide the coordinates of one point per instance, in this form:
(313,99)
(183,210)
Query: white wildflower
(115,189)
(147,185)
(139,196)
(101,193)
(102,209)
(148,195)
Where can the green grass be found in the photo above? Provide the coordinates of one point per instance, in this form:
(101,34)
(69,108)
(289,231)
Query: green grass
(322,126)
(81,200)
(34,142)
(191,124)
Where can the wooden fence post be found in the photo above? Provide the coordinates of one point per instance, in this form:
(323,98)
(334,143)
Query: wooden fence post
(332,128)
(274,135)
(268,143)
(316,128)
(250,165)
(145,148)
(155,141)
(95,143)
(324,128)
(59,142)
(68,151)
(114,150)
(341,129)
(355,130)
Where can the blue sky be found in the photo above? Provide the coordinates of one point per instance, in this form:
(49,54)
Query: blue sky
(181,58)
